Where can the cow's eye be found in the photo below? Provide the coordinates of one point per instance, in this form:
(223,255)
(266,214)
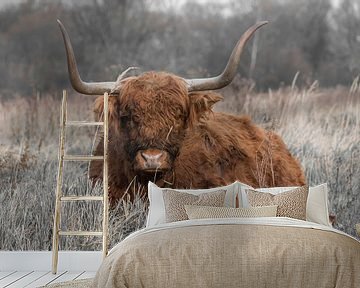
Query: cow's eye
(124,120)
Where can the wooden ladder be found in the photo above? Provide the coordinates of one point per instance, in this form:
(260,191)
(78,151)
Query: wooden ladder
(57,232)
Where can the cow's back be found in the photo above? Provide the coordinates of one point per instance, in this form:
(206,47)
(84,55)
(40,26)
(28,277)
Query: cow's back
(225,148)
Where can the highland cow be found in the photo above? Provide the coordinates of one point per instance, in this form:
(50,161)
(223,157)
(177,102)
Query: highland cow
(163,128)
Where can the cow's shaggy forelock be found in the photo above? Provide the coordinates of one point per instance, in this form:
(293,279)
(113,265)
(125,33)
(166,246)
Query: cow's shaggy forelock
(154,108)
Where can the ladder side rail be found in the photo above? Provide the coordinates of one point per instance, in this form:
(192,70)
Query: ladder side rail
(105,176)
(57,216)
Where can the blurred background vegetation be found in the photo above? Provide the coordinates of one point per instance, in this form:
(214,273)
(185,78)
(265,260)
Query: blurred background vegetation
(318,38)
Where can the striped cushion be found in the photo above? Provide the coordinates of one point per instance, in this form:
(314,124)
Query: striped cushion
(200,212)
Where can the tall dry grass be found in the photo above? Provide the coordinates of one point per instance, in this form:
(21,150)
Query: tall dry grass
(321,127)
(28,168)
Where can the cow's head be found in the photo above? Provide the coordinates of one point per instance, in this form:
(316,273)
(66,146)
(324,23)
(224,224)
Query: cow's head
(151,112)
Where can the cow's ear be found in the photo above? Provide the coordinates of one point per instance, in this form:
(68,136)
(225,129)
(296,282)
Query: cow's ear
(114,106)
(201,104)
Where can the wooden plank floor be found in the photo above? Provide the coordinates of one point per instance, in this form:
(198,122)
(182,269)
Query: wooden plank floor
(32,279)
(32,268)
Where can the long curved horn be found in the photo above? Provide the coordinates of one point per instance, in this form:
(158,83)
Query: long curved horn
(96,88)
(229,72)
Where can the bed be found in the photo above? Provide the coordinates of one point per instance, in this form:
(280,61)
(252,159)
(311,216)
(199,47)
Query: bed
(233,252)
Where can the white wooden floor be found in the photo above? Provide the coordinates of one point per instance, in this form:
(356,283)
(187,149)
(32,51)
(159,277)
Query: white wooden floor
(33,268)
(31,279)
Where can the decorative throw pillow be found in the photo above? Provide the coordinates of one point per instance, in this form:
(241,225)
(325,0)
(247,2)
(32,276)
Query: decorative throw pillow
(317,210)
(290,204)
(201,212)
(175,201)
(156,214)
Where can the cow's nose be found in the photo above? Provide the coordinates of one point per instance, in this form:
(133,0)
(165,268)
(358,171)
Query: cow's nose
(151,157)
(151,160)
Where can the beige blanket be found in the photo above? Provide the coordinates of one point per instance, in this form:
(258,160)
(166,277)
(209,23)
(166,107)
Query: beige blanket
(273,252)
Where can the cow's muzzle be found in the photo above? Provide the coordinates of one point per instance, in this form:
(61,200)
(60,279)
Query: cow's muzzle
(152,161)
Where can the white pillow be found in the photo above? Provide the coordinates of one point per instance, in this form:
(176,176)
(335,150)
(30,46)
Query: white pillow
(317,209)
(156,213)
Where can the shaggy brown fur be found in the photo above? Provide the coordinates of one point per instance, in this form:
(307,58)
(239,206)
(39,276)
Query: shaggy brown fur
(202,148)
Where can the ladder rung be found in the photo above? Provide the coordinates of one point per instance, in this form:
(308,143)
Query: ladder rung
(80,233)
(82,157)
(82,198)
(84,123)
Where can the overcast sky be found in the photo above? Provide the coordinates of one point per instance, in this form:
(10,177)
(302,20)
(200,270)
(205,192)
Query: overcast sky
(7,2)
(4,3)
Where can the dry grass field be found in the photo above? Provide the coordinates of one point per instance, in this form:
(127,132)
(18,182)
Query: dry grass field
(320,126)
